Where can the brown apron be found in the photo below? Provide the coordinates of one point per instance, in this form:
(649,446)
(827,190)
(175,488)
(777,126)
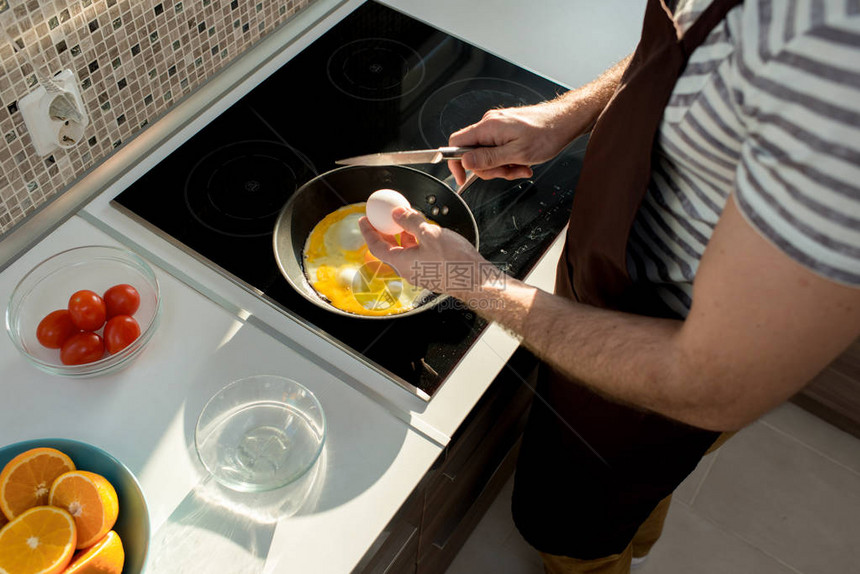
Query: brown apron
(591,469)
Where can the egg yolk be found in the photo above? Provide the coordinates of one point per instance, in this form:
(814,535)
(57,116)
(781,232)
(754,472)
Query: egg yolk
(353,280)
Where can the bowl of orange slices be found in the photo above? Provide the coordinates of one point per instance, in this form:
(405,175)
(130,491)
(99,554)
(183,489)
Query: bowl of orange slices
(69,507)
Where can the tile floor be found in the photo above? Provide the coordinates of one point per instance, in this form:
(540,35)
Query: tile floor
(781,497)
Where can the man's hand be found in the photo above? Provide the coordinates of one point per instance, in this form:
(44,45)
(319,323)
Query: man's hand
(511,140)
(424,251)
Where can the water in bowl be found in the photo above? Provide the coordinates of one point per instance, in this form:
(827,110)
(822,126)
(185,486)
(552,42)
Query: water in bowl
(260,445)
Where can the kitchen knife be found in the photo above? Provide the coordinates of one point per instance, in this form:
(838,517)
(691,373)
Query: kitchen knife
(407,157)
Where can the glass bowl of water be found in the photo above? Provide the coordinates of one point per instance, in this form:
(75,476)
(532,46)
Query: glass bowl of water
(260,433)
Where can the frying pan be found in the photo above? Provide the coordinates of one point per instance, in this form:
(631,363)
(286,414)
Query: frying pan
(354,184)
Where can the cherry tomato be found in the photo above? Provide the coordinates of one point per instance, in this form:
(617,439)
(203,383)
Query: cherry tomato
(121,300)
(55,329)
(81,348)
(87,310)
(120,332)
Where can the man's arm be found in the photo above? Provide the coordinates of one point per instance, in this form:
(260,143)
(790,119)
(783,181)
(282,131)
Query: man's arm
(761,326)
(511,140)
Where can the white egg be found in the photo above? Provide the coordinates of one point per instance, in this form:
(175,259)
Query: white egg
(380,204)
(346,276)
(344,235)
(395,288)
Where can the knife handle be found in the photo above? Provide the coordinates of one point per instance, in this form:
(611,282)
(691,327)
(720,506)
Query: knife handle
(453,152)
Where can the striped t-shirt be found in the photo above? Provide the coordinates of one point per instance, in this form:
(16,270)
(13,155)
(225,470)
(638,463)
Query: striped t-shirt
(767,109)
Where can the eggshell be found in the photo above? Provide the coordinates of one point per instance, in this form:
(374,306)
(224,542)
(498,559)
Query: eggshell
(380,204)
(395,288)
(346,276)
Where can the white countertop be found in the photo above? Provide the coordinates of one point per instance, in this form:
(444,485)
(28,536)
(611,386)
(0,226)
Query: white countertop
(382,439)
(145,416)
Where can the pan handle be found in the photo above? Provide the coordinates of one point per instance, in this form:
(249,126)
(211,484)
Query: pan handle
(472,177)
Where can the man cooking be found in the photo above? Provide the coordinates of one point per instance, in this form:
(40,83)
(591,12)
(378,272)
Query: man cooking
(712,262)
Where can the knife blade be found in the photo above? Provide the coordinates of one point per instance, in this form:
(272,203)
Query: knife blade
(407,157)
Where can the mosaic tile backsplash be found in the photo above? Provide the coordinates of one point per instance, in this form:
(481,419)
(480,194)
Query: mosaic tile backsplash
(134,59)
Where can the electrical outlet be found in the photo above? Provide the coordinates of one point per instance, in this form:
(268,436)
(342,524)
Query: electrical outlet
(47,131)
(4,5)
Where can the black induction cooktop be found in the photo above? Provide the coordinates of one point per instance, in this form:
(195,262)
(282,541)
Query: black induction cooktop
(377,81)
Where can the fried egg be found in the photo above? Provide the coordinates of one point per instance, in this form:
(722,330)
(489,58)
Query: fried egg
(342,270)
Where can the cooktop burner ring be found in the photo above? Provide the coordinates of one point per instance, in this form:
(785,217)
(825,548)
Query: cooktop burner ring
(375,69)
(462,103)
(239,189)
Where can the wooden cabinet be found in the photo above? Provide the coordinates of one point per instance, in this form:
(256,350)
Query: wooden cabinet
(396,549)
(834,395)
(434,523)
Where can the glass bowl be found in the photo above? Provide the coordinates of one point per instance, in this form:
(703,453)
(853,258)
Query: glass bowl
(260,433)
(49,285)
(132,523)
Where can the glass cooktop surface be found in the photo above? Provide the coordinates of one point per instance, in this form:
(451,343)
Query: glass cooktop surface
(377,81)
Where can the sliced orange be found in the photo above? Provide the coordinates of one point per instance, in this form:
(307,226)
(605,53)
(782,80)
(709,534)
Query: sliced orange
(104,557)
(40,540)
(26,480)
(3,520)
(90,499)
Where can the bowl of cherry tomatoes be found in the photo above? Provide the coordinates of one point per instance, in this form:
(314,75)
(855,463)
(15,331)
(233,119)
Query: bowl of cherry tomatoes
(84,312)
